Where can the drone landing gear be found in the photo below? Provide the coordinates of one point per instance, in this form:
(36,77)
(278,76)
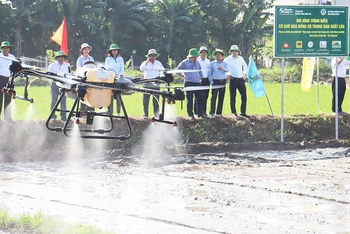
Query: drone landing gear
(161,116)
(89,129)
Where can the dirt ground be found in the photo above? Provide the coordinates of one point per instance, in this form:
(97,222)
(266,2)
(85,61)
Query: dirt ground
(305,191)
(225,187)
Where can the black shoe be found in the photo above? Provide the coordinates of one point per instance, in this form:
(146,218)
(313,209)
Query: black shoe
(235,115)
(245,115)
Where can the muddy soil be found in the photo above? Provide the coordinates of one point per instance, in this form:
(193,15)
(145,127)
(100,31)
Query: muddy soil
(188,187)
(304,191)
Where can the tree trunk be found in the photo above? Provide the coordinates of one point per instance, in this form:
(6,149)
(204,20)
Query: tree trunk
(18,41)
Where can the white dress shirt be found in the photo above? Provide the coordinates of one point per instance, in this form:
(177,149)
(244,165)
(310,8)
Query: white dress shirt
(5,64)
(57,68)
(151,70)
(341,67)
(237,67)
(205,63)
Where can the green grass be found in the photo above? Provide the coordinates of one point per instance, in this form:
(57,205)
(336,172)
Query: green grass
(296,102)
(39,223)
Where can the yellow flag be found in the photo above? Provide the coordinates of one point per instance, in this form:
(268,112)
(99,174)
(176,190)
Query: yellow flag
(307,73)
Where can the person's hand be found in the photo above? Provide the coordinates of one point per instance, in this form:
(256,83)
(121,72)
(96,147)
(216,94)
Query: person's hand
(221,68)
(228,78)
(182,75)
(244,77)
(148,60)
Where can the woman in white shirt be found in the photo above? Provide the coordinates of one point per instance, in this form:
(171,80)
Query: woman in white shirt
(114,62)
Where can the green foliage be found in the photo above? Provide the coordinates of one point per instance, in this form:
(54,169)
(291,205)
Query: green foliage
(172,27)
(41,224)
(325,69)
(274,74)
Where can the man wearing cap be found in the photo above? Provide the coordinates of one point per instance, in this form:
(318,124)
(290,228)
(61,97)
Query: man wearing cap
(4,78)
(192,79)
(342,66)
(114,62)
(84,57)
(237,75)
(205,63)
(57,67)
(217,76)
(151,68)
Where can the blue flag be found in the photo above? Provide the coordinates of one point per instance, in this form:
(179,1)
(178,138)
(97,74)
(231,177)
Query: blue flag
(254,79)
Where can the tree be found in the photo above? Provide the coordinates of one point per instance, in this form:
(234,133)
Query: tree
(172,19)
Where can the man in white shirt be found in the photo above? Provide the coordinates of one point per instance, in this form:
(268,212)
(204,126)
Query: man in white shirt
(5,61)
(152,69)
(58,67)
(205,63)
(342,66)
(237,75)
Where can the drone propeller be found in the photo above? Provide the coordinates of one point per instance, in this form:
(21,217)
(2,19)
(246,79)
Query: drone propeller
(54,77)
(32,67)
(195,88)
(181,71)
(9,58)
(167,71)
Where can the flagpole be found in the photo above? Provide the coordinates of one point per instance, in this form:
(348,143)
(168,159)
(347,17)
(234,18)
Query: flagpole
(273,116)
(318,85)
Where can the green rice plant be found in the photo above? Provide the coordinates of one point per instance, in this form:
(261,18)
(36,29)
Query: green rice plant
(42,224)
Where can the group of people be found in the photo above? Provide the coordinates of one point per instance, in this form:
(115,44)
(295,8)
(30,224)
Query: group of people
(233,68)
(197,71)
(204,73)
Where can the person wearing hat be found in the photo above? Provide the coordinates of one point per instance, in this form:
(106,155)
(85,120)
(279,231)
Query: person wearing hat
(114,62)
(217,76)
(58,67)
(237,75)
(205,63)
(151,68)
(4,78)
(192,79)
(84,57)
(85,49)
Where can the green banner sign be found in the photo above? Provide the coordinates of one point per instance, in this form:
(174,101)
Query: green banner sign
(310,31)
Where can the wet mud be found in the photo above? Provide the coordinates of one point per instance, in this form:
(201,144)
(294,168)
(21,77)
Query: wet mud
(164,185)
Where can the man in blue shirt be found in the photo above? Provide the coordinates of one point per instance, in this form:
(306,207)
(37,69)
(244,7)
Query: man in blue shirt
(217,76)
(192,79)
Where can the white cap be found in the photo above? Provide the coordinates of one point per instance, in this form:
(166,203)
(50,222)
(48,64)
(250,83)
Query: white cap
(203,48)
(235,47)
(84,45)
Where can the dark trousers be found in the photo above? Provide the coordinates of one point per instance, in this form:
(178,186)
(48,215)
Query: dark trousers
(118,105)
(155,99)
(7,98)
(238,83)
(341,93)
(214,95)
(198,95)
(55,92)
(205,82)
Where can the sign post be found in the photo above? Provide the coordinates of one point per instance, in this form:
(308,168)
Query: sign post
(310,31)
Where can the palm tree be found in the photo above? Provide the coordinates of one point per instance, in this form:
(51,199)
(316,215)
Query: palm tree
(172,24)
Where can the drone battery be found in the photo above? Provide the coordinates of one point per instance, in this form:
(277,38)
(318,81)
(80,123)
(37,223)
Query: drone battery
(95,97)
